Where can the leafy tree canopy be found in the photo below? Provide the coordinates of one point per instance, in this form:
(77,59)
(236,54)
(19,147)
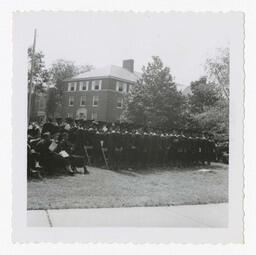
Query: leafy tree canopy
(40,72)
(209,110)
(214,119)
(217,70)
(203,95)
(154,99)
(60,70)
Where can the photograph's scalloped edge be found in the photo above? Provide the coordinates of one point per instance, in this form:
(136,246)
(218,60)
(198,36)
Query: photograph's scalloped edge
(13,121)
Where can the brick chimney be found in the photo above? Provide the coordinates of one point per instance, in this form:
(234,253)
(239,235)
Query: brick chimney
(128,64)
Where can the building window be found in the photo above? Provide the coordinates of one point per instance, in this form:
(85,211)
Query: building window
(71,101)
(96,85)
(120,103)
(83,85)
(72,86)
(70,115)
(82,100)
(121,87)
(94,116)
(95,101)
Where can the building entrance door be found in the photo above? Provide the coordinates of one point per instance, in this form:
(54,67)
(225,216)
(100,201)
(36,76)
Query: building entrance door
(81,113)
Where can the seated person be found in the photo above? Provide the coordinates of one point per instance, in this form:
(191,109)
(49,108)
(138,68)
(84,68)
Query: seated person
(33,130)
(49,157)
(31,160)
(64,144)
(32,163)
(66,149)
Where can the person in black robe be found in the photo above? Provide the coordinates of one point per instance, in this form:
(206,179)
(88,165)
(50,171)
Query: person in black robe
(76,155)
(50,160)
(49,127)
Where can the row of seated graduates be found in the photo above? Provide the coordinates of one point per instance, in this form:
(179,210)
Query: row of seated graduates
(125,145)
(40,136)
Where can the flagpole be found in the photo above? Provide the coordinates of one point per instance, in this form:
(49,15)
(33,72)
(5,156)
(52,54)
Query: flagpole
(30,88)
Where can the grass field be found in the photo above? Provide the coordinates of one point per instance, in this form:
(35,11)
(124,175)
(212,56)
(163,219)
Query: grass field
(152,187)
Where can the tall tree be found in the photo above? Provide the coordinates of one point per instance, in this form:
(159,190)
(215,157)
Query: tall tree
(39,78)
(209,110)
(40,73)
(154,100)
(203,95)
(218,70)
(214,119)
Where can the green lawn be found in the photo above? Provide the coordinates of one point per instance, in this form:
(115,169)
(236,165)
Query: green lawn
(152,187)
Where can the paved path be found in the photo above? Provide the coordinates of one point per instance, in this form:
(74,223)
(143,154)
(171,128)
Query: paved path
(211,215)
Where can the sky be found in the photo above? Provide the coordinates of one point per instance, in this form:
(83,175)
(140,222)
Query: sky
(182,40)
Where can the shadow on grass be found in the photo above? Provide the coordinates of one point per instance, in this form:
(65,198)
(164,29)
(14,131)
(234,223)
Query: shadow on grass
(56,175)
(135,172)
(157,169)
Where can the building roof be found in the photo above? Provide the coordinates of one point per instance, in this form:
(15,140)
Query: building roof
(179,86)
(187,91)
(108,72)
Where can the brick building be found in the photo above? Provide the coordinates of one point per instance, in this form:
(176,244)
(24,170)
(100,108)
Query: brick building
(98,94)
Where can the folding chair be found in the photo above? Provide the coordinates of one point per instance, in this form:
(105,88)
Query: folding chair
(86,148)
(103,150)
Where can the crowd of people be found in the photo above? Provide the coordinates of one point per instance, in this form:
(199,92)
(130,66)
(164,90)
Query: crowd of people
(66,145)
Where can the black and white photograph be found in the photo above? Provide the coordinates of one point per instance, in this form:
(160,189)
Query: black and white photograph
(130,119)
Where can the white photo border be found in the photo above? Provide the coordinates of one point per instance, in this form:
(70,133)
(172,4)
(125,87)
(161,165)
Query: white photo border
(234,233)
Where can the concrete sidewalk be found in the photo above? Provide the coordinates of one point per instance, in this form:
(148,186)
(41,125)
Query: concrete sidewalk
(210,215)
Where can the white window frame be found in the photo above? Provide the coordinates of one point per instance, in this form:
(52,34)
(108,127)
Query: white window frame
(93,116)
(125,85)
(71,84)
(94,84)
(82,83)
(121,84)
(69,100)
(121,101)
(81,99)
(94,100)
(118,84)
